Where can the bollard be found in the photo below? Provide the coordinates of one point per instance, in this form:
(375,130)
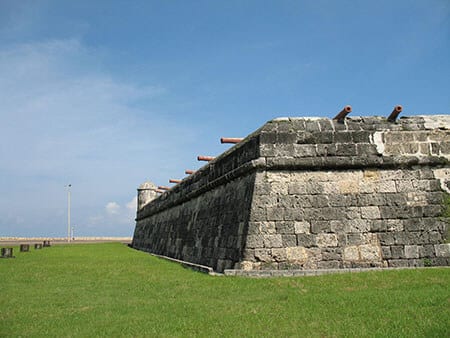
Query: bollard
(342,114)
(393,116)
(37,246)
(24,247)
(7,253)
(46,244)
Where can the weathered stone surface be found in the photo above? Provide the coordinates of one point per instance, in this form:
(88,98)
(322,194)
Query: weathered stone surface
(302,228)
(411,251)
(442,250)
(326,240)
(311,194)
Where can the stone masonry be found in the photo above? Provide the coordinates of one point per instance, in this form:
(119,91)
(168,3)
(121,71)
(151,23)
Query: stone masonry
(312,193)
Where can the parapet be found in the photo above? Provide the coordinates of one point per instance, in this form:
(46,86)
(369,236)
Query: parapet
(313,143)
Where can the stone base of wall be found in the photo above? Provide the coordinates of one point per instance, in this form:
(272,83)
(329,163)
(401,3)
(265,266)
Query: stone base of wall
(303,273)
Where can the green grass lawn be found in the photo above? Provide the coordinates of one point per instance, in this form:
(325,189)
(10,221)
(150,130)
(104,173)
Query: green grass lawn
(111,290)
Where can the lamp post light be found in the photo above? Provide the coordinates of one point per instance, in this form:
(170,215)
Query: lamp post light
(68,212)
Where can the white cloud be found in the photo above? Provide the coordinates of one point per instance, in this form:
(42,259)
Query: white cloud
(132,205)
(112,208)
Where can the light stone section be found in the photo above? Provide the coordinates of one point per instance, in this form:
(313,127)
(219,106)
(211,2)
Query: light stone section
(344,219)
(146,194)
(433,140)
(443,175)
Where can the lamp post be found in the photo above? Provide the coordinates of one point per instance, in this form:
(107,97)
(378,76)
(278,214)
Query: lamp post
(68,212)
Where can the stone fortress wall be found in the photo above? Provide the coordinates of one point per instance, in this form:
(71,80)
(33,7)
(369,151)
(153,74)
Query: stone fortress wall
(312,193)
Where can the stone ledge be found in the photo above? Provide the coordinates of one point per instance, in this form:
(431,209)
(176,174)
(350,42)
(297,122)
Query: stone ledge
(304,273)
(189,265)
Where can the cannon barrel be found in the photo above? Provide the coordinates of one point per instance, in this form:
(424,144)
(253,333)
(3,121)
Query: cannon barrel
(205,158)
(343,113)
(189,172)
(173,180)
(393,116)
(162,187)
(233,140)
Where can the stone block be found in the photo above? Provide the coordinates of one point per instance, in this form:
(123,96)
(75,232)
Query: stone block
(331,254)
(285,227)
(413,224)
(355,239)
(279,254)
(351,253)
(304,150)
(326,150)
(297,254)
(326,240)
(272,241)
(362,136)
(255,241)
(306,240)
(343,137)
(370,252)
(386,187)
(411,251)
(289,240)
(312,125)
(305,188)
(378,226)
(427,251)
(319,201)
(432,210)
(302,227)
(386,252)
(338,226)
(402,237)
(346,149)
(320,226)
(348,186)
(398,263)
(397,251)
(275,214)
(369,198)
(442,250)
(286,138)
(357,225)
(415,263)
(435,237)
(294,214)
(246,265)
(263,255)
(325,137)
(371,212)
(329,265)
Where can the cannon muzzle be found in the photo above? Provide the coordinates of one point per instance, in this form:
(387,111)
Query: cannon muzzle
(393,116)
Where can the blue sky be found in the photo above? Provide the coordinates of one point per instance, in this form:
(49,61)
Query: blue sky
(108,94)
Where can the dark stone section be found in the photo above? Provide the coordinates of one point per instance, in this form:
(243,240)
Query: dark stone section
(210,229)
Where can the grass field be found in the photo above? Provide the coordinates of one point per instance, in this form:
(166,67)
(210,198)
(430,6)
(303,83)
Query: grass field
(111,290)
